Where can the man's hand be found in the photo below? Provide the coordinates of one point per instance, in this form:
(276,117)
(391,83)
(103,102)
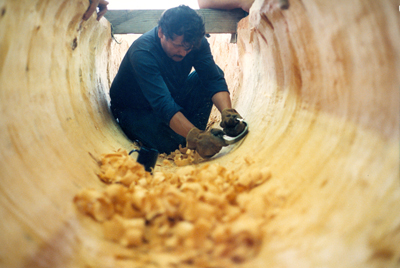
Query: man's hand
(102,4)
(206,143)
(230,123)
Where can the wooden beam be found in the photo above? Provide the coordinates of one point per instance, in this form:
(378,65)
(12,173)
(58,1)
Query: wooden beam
(141,21)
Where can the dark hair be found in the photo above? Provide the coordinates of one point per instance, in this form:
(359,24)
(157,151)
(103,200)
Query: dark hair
(182,20)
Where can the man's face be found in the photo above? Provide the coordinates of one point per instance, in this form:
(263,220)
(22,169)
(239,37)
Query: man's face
(176,49)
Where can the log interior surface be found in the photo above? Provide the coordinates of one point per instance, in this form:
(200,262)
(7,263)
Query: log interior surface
(318,85)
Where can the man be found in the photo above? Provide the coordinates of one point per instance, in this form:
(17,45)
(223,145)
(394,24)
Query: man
(156,98)
(232,4)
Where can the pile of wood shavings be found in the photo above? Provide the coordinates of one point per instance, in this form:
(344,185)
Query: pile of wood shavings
(195,212)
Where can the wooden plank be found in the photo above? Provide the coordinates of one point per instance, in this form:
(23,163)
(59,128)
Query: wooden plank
(141,21)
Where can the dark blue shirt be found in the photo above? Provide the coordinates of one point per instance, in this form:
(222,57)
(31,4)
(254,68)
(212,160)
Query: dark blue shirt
(149,79)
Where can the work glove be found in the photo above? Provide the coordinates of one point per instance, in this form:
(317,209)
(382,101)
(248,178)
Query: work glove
(206,143)
(230,123)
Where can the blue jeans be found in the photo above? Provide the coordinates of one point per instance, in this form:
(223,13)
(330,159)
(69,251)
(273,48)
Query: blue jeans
(145,126)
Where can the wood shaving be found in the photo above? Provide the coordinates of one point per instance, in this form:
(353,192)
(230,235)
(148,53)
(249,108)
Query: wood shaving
(183,157)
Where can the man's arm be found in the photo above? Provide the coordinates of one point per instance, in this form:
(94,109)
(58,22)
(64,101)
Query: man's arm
(226,4)
(222,100)
(180,124)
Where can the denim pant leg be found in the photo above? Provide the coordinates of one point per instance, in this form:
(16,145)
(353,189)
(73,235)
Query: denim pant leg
(195,101)
(146,127)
